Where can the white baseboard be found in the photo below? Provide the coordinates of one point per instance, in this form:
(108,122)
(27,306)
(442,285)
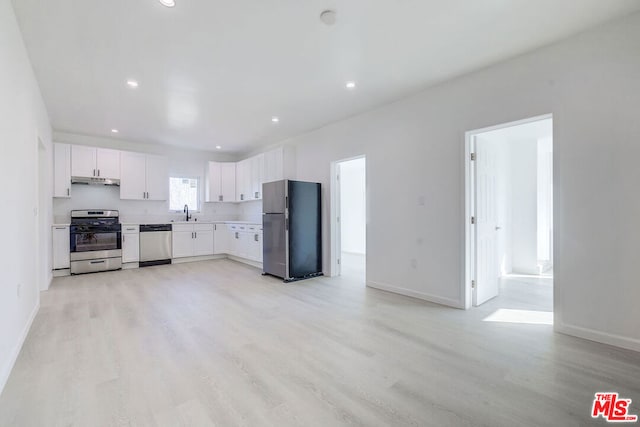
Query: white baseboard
(196,258)
(598,336)
(6,370)
(246,261)
(415,294)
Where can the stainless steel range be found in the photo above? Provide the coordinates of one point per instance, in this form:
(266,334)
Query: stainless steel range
(96,243)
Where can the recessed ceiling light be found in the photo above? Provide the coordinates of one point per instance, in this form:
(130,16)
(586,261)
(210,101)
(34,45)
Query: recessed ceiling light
(132,83)
(114,131)
(350,85)
(275,119)
(168,3)
(218,147)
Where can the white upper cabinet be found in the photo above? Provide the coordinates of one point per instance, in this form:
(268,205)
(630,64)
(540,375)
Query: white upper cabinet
(83,161)
(133,176)
(90,162)
(221,182)
(257,176)
(157,177)
(243,180)
(61,170)
(108,163)
(274,165)
(143,176)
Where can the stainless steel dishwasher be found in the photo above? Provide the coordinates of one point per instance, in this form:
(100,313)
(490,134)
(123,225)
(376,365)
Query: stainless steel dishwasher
(155,244)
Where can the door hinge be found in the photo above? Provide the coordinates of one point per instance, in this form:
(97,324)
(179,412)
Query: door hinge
(473,220)
(473,284)
(473,157)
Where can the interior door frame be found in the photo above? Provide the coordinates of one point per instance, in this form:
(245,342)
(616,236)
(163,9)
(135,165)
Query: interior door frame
(469,202)
(336,238)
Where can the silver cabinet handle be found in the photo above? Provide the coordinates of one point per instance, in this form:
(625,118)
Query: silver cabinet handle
(255,237)
(68,192)
(94,172)
(123,236)
(220,198)
(98,172)
(97,262)
(215,227)
(196,235)
(236,234)
(60,228)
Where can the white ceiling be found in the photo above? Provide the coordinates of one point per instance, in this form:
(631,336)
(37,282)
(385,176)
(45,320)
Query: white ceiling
(215,72)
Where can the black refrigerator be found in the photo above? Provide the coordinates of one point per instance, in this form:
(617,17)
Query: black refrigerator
(292,229)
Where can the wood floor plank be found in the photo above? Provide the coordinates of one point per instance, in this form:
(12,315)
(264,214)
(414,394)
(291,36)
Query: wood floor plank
(215,343)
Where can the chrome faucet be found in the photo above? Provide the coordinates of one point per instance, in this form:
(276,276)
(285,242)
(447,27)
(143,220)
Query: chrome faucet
(186,211)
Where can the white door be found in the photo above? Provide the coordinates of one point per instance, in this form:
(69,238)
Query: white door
(132,179)
(203,243)
(487,262)
(130,247)
(157,170)
(83,161)
(108,163)
(61,170)
(228,181)
(182,244)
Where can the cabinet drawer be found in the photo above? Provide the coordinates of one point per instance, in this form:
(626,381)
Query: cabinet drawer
(202,227)
(182,227)
(130,229)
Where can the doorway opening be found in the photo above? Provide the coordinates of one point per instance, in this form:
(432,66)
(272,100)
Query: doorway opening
(509,232)
(350,219)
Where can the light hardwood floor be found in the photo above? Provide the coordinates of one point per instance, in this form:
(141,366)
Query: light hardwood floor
(215,343)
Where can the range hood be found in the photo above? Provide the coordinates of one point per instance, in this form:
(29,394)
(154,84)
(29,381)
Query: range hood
(94,181)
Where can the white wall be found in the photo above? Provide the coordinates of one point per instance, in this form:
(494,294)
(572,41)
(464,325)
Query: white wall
(23,119)
(183,162)
(523,162)
(415,154)
(353,213)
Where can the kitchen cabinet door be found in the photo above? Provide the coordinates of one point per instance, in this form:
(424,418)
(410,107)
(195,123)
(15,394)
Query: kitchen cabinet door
(241,186)
(213,192)
(133,176)
(130,247)
(61,247)
(83,161)
(221,237)
(257,176)
(203,243)
(274,165)
(108,163)
(182,244)
(254,244)
(157,177)
(228,181)
(61,170)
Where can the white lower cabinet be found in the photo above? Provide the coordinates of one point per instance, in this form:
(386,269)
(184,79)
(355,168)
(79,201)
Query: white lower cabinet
(192,240)
(221,239)
(61,247)
(130,243)
(246,241)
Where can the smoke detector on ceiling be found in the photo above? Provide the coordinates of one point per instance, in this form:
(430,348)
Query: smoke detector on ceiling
(328,17)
